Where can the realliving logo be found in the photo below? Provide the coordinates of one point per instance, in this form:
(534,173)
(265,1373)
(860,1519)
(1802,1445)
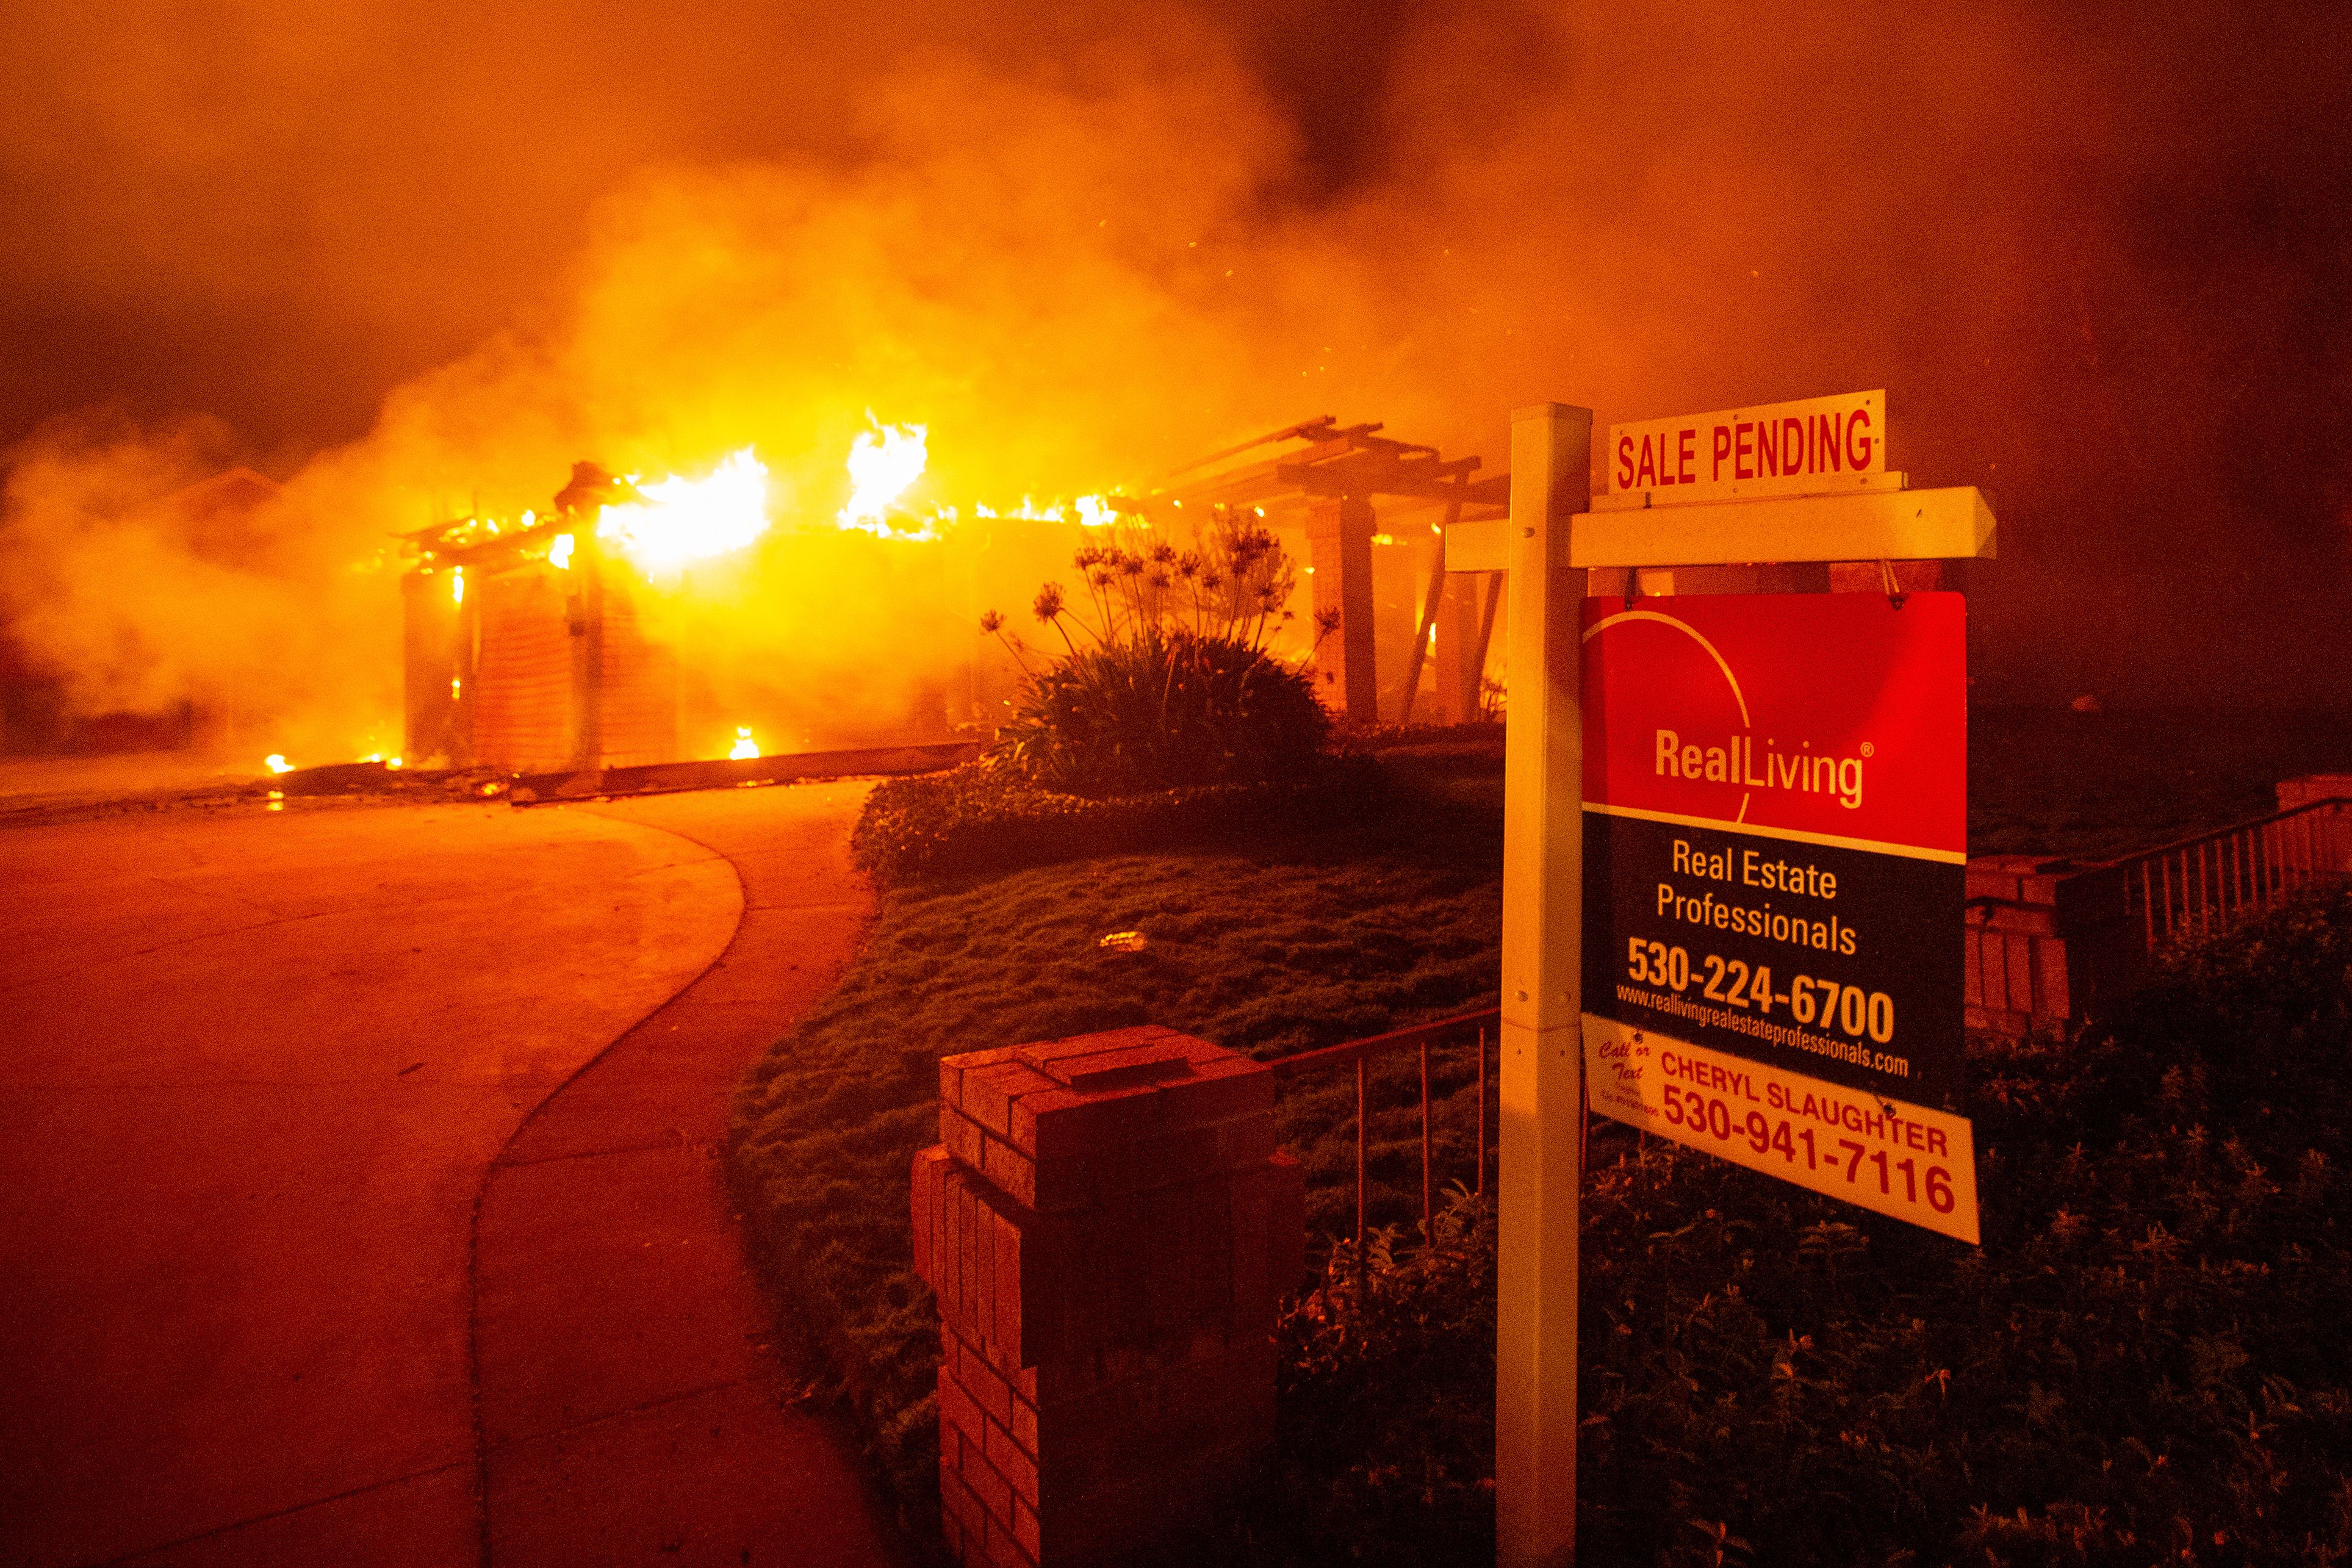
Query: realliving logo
(1734,762)
(1836,717)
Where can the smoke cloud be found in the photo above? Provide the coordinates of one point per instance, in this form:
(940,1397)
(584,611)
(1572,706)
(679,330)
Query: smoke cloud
(419,260)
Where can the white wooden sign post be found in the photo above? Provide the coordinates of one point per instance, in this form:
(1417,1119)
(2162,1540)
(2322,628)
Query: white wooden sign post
(1793,482)
(1540,1157)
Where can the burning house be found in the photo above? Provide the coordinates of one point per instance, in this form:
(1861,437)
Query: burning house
(649,621)
(563,640)
(523,646)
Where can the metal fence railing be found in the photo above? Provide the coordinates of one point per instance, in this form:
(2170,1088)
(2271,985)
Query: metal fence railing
(2195,887)
(1359,1054)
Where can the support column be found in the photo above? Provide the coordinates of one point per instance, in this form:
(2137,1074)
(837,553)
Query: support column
(1460,651)
(1339,549)
(1540,1165)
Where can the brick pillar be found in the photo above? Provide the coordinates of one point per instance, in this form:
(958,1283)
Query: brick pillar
(1339,549)
(2322,843)
(2045,940)
(1107,1227)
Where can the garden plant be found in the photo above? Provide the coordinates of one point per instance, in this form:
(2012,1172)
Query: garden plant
(1166,678)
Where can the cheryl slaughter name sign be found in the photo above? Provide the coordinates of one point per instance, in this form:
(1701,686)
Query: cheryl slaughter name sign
(1774,842)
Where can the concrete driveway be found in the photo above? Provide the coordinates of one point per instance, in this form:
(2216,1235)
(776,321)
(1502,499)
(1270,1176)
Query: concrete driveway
(255,1069)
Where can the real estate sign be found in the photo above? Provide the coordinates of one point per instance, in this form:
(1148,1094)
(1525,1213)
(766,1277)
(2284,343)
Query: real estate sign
(1774,850)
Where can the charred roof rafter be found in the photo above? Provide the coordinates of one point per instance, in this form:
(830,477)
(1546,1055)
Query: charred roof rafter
(1339,461)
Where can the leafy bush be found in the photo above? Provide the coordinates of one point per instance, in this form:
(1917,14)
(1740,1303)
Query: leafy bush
(985,819)
(2141,1364)
(1164,709)
(1169,682)
(1384,1439)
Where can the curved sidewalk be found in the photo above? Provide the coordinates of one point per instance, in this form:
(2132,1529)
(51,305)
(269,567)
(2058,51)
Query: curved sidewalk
(629,1408)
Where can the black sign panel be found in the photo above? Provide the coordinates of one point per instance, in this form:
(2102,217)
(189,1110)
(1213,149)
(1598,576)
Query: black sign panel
(1841,964)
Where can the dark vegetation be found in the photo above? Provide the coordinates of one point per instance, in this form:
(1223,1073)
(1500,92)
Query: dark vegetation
(2141,1365)
(1164,709)
(987,818)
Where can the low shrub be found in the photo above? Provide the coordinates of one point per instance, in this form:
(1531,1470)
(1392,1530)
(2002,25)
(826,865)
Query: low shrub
(2142,1362)
(985,819)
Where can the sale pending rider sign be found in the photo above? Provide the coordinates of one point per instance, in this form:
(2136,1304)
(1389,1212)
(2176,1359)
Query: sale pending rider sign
(1775,820)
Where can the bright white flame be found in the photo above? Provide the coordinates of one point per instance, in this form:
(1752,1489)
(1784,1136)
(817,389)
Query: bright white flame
(391,762)
(684,520)
(1096,513)
(559,552)
(458,585)
(881,471)
(745,747)
(276,764)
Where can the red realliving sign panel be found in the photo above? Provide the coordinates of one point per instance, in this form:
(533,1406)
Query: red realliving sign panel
(1776,830)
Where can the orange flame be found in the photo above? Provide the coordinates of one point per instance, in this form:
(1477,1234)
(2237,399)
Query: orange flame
(881,471)
(684,520)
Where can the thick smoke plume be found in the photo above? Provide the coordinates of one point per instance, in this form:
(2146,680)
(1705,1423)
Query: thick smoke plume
(2096,254)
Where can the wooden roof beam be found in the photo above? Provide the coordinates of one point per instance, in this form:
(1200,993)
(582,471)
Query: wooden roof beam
(1373,473)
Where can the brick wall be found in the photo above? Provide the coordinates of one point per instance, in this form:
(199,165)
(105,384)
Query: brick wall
(2050,941)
